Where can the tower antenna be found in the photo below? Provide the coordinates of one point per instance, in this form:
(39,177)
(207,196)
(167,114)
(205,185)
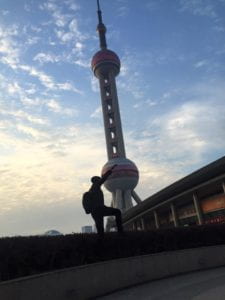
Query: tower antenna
(101,28)
(98,5)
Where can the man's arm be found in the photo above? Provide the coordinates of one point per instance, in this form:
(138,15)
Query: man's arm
(107,174)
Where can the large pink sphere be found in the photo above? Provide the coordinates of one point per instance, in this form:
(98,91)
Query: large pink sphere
(124,177)
(104,60)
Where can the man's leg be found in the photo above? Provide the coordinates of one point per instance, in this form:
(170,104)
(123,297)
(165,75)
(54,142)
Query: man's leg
(99,223)
(110,211)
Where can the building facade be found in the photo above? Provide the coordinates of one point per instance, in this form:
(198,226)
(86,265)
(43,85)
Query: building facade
(87,229)
(197,199)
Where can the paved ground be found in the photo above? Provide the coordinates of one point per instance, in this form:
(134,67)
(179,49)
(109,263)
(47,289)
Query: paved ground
(203,285)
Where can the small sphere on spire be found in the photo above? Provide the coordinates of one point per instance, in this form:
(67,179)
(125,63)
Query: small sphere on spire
(101,28)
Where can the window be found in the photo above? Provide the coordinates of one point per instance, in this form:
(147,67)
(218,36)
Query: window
(114,149)
(109,104)
(113,135)
(111,118)
(107,91)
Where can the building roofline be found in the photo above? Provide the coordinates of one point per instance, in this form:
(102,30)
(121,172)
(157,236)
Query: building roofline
(206,173)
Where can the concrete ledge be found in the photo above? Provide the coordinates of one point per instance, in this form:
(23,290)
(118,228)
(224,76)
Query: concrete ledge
(94,280)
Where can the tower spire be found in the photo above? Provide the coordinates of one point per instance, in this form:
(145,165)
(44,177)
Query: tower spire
(99,12)
(101,28)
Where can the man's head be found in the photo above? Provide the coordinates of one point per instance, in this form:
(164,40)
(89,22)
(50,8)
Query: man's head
(95,179)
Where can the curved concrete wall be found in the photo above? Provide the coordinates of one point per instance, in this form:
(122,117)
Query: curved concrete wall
(93,280)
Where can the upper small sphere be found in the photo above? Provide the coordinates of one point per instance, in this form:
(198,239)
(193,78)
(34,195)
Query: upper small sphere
(105,60)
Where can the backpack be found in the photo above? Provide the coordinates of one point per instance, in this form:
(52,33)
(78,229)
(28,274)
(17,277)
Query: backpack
(87,202)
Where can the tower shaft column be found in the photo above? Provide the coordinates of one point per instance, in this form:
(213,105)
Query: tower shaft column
(111,116)
(122,199)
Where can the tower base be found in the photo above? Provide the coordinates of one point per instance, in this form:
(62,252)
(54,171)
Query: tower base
(122,200)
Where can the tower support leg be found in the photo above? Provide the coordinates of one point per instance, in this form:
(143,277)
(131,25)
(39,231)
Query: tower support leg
(136,197)
(119,202)
(122,199)
(127,199)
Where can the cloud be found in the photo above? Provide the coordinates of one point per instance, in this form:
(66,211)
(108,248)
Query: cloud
(97,113)
(32,132)
(131,80)
(25,95)
(60,19)
(5,12)
(199,7)
(10,56)
(37,179)
(144,104)
(180,140)
(47,80)
(200,63)
(32,40)
(72,34)
(73,26)
(72,5)
(67,86)
(43,58)
(9,49)
(153,5)
(122,11)
(219,28)
(79,49)
(94,84)
(27,7)
(54,106)
(64,36)
(20,114)
(36,218)
(14,90)
(35,29)
(197,127)
(66,24)
(82,63)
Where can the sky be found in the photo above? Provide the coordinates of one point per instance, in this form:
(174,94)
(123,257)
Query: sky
(171,91)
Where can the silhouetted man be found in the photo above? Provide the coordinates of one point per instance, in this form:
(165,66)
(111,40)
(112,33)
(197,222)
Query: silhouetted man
(98,209)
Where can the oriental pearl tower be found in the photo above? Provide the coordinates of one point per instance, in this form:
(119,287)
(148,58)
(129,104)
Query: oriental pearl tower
(106,66)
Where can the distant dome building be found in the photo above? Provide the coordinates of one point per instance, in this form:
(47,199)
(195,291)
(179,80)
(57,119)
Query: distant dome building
(52,232)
